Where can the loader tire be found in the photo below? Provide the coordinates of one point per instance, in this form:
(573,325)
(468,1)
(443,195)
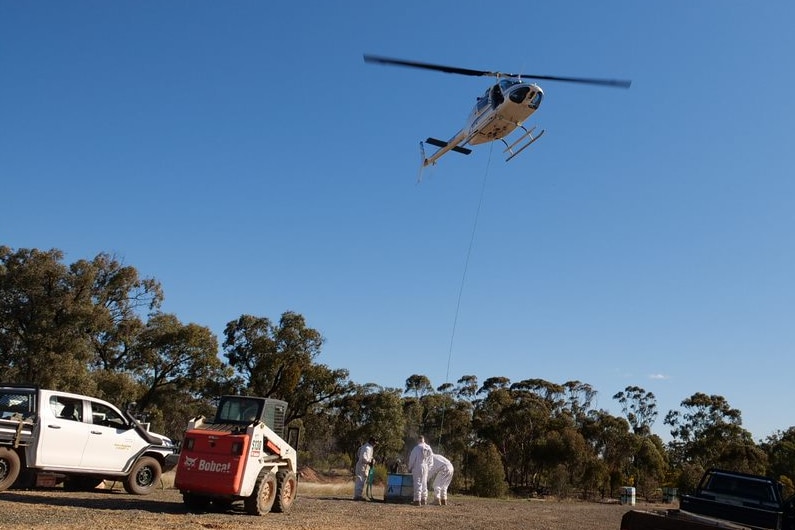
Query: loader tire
(262,498)
(9,467)
(144,476)
(286,490)
(195,503)
(222,505)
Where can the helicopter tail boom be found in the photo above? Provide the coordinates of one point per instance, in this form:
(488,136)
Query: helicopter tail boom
(454,144)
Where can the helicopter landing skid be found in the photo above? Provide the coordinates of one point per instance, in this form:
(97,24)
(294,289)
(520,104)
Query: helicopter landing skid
(509,148)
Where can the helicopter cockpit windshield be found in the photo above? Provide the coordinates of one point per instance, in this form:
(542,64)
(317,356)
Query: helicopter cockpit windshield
(505,84)
(535,101)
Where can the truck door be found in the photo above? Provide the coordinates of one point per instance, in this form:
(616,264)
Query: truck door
(62,436)
(112,442)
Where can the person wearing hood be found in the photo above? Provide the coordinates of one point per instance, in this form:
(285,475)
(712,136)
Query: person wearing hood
(364,461)
(420,462)
(441,476)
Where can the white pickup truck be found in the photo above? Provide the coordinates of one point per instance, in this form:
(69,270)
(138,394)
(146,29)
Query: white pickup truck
(46,436)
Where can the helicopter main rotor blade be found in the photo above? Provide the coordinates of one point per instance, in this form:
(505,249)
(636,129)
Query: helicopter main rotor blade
(618,83)
(428,66)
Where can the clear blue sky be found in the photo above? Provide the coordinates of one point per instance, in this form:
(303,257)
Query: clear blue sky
(244,155)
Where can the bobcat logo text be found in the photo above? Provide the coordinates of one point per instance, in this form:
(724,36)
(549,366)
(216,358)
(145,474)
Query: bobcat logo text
(208,465)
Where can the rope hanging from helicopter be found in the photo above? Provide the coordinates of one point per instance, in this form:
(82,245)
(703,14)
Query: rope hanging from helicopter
(461,285)
(498,113)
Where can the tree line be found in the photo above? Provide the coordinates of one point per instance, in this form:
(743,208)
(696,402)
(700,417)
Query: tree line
(95,327)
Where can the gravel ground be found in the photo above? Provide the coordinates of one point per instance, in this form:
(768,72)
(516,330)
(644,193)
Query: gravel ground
(56,509)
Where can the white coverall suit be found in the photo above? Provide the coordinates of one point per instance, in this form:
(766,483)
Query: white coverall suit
(363,463)
(441,476)
(420,462)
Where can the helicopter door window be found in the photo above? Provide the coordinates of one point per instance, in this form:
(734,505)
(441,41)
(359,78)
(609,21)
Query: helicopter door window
(483,101)
(496,96)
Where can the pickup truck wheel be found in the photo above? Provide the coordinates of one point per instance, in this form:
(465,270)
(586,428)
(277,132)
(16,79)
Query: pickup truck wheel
(9,467)
(261,499)
(143,477)
(26,480)
(286,489)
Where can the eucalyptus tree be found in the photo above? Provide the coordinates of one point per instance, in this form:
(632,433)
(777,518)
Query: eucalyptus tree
(76,318)
(418,385)
(467,387)
(365,411)
(278,360)
(708,432)
(639,407)
(649,458)
(122,302)
(447,423)
(176,366)
(579,398)
(416,388)
(612,443)
(780,450)
(42,317)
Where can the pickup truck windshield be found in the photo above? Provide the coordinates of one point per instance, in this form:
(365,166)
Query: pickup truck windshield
(746,488)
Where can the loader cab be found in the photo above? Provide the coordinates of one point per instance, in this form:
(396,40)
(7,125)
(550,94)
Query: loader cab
(244,410)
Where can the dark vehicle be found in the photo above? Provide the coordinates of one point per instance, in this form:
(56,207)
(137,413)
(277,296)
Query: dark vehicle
(723,499)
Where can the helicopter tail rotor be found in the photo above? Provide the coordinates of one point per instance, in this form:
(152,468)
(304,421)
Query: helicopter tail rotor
(423,161)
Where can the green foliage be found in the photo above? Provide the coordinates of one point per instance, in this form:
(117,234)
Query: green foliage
(595,478)
(640,408)
(278,361)
(788,486)
(650,464)
(117,387)
(489,475)
(94,327)
(708,433)
(780,448)
(418,385)
(687,477)
(381,473)
(370,411)
(45,311)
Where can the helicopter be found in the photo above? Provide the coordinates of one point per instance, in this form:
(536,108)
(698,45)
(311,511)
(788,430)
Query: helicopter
(501,110)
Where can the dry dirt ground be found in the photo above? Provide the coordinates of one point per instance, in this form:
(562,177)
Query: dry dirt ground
(317,507)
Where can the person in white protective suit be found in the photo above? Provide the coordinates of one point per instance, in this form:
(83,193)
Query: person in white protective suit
(364,461)
(441,476)
(420,462)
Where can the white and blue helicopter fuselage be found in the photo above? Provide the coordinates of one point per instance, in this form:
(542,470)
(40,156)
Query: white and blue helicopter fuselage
(502,109)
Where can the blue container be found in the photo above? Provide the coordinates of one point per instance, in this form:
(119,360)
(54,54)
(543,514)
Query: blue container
(399,488)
